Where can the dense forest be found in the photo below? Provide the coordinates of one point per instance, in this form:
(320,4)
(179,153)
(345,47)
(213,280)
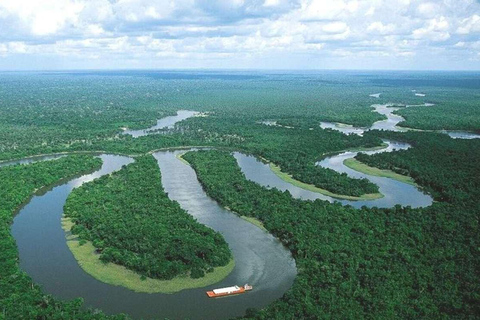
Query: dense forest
(85,111)
(445,167)
(19,297)
(353,263)
(295,150)
(445,115)
(132,222)
(368,263)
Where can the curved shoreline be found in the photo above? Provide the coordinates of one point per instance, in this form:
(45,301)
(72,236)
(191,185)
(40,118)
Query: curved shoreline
(359,166)
(117,275)
(310,187)
(46,256)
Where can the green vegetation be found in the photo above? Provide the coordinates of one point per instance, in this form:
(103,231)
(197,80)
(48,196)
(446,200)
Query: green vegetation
(89,259)
(180,157)
(444,167)
(47,113)
(361,167)
(19,297)
(254,221)
(295,150)
(367,263)
(131,222)
(462,114)
(288,178)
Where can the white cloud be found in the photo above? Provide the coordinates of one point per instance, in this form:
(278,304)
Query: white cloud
(251,29)
(428,9)
(335,27)
(43,17)
(379,27)
(434,30)
(470,25)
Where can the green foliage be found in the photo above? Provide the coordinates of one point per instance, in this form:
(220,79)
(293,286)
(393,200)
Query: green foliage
(132,222)
(19,297)
(368,263)
(445,167)
(295,150)
(447,114)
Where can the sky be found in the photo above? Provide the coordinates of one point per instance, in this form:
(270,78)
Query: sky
(240,34)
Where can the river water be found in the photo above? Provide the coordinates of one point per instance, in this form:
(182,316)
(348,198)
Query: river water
(261,259)
(395,192)
(163,123)
(391,123)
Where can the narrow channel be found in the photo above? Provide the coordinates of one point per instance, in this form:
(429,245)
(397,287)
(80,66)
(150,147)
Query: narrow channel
(163,123)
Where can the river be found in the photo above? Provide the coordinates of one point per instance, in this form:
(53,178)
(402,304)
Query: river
(260,259)
(163,123)
(391,123)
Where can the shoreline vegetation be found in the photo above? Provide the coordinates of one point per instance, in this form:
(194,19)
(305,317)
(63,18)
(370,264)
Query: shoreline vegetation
(356,165)
(329,242)
(253,221)
(180,157)
(310,187)
(117,275)
(20,297)
(128,219)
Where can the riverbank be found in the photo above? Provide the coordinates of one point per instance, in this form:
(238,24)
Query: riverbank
(117,275)
(255,222)
(310,187)
(356,165)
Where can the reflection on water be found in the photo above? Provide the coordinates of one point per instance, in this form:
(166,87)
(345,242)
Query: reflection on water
(260,258)
(344,128)
(462,135)
(395,192)
(391,123)
(163,123)
(31,160)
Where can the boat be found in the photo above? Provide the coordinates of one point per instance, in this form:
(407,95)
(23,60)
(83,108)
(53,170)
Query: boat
(228,291)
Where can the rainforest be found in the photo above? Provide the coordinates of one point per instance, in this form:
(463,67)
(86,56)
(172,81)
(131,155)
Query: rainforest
(256,185)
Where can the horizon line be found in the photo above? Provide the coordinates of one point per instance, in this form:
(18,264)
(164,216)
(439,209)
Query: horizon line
(237,70)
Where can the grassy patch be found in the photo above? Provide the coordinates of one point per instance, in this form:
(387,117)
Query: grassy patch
(360,149)
(180,157)
(361,167)
(288,178)
(255,221)
(120,276)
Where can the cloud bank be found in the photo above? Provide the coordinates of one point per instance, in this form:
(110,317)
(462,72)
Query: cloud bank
(279,34)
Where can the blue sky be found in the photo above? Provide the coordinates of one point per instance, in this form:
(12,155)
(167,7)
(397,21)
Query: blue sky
(244,34)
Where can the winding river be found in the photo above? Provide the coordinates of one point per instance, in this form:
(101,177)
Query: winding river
(395,192)
(260,258)
(163,123)
(391,123)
